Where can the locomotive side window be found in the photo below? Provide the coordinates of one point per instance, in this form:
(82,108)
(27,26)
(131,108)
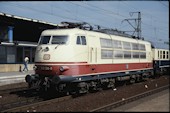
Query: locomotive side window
(142,55)
(135,55)
(142,47)
(135,46)
(59,39)
(117,44)
(118,54)
(44,39)
(127,54)
(106,54)
(126,46)
(81,40)
(106,43)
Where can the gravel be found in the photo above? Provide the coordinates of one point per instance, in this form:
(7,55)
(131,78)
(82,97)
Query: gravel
(91,101)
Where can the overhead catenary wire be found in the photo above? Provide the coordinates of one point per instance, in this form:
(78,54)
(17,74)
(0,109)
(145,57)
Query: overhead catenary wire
(84,16)
(96,9)
(147,14)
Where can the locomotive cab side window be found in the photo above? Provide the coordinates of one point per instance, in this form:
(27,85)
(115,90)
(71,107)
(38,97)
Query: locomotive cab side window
(78,40)
(81,40)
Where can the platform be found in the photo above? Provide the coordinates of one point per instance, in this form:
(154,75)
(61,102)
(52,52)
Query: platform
(158,102)
(13,77)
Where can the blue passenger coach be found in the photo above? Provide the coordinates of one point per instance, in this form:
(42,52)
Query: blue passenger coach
(161,58)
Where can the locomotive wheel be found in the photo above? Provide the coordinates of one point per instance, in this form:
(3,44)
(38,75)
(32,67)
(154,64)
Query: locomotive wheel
(83,87)
(132,80)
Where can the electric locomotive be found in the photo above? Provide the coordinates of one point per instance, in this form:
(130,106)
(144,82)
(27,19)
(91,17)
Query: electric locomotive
(75,59)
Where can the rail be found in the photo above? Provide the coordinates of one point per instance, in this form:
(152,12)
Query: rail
(130,99)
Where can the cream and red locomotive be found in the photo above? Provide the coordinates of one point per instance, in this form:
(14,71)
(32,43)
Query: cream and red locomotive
(77,59)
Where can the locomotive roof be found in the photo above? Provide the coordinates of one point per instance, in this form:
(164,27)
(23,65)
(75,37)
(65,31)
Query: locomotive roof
(69,31)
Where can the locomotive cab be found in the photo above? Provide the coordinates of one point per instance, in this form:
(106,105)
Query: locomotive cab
(60,47)
(59,52)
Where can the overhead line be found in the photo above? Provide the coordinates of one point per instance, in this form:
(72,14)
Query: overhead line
(145,12)
(21,6)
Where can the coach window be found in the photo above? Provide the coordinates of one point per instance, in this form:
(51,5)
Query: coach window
(167,54)
(81,40)
(163,54)
(160,54)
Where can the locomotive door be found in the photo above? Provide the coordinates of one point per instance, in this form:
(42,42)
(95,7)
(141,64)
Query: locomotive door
(93,55)
(93,44)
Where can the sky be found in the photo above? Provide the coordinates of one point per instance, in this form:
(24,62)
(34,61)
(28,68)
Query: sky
(108,14)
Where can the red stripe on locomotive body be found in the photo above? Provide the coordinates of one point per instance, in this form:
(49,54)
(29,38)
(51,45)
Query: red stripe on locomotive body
(90,68)
(61,62)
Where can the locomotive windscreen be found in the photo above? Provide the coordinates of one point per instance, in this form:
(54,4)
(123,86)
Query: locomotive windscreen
(58,39)
(44,39)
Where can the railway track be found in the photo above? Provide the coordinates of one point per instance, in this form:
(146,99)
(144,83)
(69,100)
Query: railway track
(36,104)
(16,98)
(128,100)
(22,97)
(100,109)
(5,91)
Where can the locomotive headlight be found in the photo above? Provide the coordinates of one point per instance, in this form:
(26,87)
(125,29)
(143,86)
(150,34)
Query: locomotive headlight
(63,68)
(35,67)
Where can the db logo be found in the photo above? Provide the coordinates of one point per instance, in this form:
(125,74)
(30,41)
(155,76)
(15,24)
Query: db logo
(46,57)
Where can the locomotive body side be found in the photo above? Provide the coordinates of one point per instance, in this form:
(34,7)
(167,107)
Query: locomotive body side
(89,58)
(92,58)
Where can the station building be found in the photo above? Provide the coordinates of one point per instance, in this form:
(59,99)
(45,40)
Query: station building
(18,38)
